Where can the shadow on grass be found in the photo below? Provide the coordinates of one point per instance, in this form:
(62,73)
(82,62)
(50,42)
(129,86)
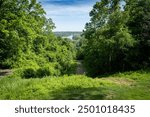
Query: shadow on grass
(78,93)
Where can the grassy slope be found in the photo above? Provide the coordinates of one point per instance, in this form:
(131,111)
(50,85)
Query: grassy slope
(129,85)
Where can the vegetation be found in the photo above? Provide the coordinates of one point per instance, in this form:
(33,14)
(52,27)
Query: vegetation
(27,40)
(117,39)
(128,85)
(139,24)
(117,33)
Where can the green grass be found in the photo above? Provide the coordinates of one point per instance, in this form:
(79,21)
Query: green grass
(122,86)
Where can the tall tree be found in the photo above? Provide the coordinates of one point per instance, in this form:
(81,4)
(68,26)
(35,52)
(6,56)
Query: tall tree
(19,28)
(27,40)
(108,38)
(139,24)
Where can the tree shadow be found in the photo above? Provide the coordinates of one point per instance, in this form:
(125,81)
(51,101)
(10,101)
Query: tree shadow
(78,93)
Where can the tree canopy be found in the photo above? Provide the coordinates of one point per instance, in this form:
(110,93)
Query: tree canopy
(27,40)
(111,35)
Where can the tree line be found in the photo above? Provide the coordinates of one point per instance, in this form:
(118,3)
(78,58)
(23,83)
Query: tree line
(117,38)
(27,40)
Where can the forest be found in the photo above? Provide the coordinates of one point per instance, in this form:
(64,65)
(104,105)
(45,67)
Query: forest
(112,53)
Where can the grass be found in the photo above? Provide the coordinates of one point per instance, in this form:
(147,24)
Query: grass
(121,86)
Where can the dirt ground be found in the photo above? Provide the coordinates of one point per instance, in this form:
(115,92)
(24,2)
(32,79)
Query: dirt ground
(5,72)
(80,68)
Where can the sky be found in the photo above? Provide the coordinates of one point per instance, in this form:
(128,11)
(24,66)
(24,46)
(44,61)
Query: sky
(68,15)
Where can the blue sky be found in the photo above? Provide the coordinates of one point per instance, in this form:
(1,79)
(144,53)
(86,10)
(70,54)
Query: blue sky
(68,15)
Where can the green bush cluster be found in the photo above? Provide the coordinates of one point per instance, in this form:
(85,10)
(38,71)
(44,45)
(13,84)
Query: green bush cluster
(29,73)
(53,69)
(41,72)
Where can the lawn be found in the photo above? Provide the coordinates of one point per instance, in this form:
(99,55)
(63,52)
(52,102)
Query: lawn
(121,86)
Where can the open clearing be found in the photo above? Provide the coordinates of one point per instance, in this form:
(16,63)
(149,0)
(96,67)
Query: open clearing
(129,85)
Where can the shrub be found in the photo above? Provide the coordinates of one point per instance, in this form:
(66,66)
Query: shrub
(41,72)
(29,73)
(6,64)
(46,71)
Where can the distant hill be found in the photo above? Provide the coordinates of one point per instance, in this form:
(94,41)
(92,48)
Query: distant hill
(67,33)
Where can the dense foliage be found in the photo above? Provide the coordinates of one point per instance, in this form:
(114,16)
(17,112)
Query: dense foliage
(139,24)
(79,42)
(117,36)
(27,40)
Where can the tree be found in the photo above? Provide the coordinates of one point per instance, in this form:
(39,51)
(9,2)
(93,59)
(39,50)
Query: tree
(19,29)
(108,38)
(27,40)
(139,24)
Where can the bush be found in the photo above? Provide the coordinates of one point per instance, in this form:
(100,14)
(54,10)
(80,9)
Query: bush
(41,72)
(29,73)
(6,64)
(32,72)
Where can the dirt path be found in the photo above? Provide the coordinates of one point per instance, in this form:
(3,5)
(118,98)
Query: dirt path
(80,69)
(5,72)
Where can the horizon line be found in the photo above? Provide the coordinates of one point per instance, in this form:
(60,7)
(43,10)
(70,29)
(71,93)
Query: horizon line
(67,31)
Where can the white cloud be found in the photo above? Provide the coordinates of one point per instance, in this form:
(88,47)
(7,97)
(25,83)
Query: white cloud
(68,18)
(70,10)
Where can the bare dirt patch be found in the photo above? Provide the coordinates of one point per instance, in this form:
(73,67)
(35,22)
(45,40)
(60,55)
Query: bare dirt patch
(5,72)
(80,68)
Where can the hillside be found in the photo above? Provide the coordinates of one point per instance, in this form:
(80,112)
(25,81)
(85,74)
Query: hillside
(38,63)
(122,86)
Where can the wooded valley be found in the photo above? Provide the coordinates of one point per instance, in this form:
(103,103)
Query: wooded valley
(113,51)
